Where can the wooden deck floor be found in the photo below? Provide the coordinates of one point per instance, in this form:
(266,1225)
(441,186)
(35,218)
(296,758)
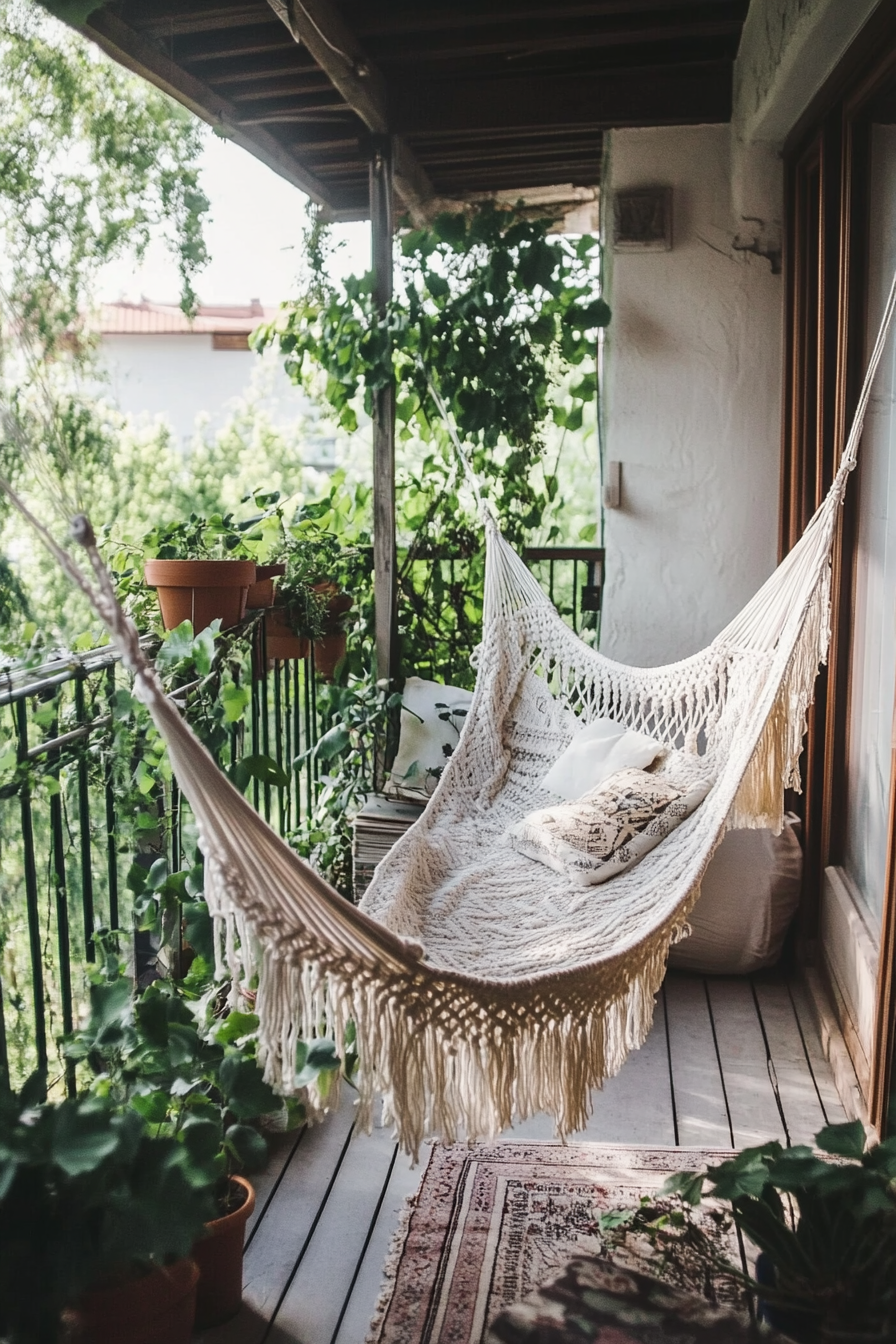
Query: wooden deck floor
(729,1062)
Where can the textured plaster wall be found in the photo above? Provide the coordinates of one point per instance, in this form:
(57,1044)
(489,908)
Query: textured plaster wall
(787,50)
(692,410)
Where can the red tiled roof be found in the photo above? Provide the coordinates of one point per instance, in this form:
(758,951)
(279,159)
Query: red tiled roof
(167,319)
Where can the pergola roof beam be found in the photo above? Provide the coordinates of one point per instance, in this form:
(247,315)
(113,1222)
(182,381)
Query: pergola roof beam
(146,58)
(367,21)
(320,27)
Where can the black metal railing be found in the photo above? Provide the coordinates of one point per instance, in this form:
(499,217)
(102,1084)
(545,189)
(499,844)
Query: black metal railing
(574,579)
(65,847)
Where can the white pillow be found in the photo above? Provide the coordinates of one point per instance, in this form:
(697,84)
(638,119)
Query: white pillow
(597,751)
(610,829)
(432,716)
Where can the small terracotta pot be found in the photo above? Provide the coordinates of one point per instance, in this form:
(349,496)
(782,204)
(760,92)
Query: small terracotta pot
(281,641)
(329,650)
(261,592)
(219,1255)
(201,591)
(158,1308)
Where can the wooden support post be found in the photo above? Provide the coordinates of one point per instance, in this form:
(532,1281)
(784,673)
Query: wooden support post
(384,561)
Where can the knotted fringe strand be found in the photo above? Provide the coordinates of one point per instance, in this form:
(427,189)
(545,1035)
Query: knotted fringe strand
(474,1080)
(774,765)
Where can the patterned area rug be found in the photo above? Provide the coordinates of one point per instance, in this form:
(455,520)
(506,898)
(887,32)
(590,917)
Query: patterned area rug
(490,1223)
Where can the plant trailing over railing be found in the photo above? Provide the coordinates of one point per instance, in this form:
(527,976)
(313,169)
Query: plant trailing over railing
(493,310)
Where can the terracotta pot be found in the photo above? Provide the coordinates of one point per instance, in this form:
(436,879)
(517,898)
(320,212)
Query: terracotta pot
(261,592)
(158,1308)
(281,641)
(201,591)
(219,1255)
(328,651)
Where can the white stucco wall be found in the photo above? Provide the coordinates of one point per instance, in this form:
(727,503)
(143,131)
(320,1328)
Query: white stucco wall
(788,49)
(180,378)
(692,409)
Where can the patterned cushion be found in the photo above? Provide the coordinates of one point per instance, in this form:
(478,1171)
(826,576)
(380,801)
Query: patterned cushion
(594,1301)
(611,827)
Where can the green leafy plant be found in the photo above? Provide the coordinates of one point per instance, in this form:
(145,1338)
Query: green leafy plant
(182,1060)
(88,1196)
(827,1227)
(498,319)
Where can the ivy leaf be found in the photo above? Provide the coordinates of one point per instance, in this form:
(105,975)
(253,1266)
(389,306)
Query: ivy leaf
(177,645)
(248,1147)
(245,1091)
(263,768)
(847,1140)
(333,742)
(235,1026)
(235,699)
(688,1185)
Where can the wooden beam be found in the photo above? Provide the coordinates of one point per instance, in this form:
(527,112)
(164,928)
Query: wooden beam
(517,45)
(380,21)
(385,567)
(318,25)
(136,52)
(665,95)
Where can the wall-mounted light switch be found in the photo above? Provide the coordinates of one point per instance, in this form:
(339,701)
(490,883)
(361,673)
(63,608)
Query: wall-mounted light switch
(613,486)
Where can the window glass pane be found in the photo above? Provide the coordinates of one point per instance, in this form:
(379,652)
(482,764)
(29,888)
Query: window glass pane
(873,659)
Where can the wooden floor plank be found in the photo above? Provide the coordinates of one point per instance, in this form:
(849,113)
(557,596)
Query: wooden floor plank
(821,1069)
(282,1234)
(313,1303)
(281,1149)
(752,1104)
(636,1105)
(803,1114)
(365,1293)
(700,1107)
(319,1226)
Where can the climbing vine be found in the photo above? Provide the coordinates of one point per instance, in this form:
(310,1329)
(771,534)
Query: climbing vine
(492,311)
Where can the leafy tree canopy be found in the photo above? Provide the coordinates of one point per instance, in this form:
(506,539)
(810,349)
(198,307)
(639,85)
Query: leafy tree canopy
(93,163)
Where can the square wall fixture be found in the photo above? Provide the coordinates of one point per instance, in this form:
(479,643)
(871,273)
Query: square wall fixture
(642,220)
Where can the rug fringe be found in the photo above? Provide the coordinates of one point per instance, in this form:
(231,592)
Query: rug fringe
(390,1269)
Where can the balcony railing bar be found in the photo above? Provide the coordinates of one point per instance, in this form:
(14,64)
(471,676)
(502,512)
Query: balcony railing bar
(282,723)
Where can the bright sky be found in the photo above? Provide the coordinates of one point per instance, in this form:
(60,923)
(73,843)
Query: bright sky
(253,232)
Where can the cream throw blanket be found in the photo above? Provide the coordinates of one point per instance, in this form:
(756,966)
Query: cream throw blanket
(483,986)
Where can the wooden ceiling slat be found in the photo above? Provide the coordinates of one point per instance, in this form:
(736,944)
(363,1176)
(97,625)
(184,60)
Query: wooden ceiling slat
(259,70)
(398,56)
(161,21)
(369,19)
(282,88)
(477,95)
(658,96)
(233,42)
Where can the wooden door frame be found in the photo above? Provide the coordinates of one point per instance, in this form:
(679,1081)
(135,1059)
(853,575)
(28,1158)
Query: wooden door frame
(838,141)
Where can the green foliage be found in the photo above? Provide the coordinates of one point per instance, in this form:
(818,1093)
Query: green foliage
(829,1228)
(87,1195)
(494,312)
(501,317)
(94,162)
(186,1063)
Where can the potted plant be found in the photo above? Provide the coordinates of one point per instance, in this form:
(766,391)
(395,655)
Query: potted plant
(261,592)
(312,605)
(187,1066)
(201,569)
(97,1220)
(825,1229)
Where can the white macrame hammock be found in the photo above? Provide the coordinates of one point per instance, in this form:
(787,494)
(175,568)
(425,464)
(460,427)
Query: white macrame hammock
(483,986)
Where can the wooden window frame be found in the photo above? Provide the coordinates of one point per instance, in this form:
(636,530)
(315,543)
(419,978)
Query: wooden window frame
(825,357)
